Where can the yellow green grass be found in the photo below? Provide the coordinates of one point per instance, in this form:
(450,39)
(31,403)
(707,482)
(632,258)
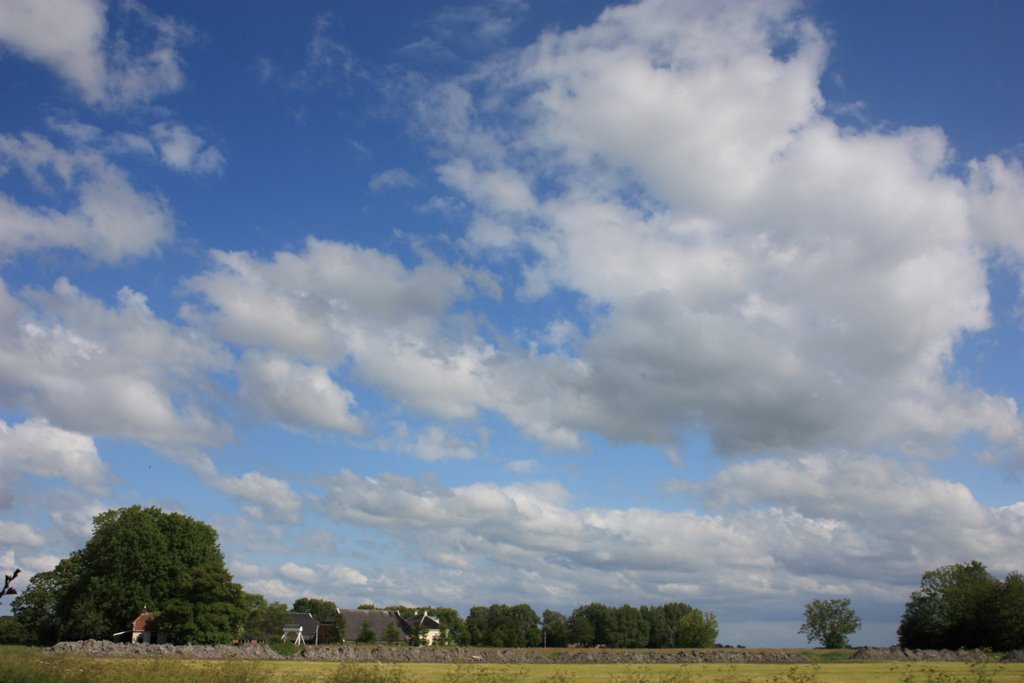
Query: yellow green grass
(28,665)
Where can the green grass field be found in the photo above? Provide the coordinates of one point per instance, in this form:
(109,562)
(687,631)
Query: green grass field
(33,665)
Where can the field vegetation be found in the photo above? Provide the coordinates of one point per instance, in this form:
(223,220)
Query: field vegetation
(37,665)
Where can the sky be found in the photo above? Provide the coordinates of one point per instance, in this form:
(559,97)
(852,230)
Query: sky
(553,302)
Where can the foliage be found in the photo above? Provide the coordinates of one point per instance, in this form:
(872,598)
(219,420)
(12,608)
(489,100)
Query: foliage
(263,620)
(322,610)
(671,625)
(503,626)
(556,628)
(336,633)
(453,628)
(12,631)
(830,622)
(137,558)
(391,633)
(366,634)
(964,606)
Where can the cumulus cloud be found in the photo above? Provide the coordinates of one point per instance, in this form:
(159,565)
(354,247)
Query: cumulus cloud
(296,572)
(296,394)
(109,219)
(73,39)
(16,533)
(263,497)
(753,268)
(37,448)
(778,531)
(121,371)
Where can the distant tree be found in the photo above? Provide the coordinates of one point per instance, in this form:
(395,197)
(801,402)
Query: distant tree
(503,626)
(391,633)
(1009,614)
(322,610)
(263,620)
(366,605)
(628,628)
(137,557)
(416,633)
(591,620)
(12,632)
(696,629)
(962,606)
(477,630)
(555,626)
(830,622)
(36,607)
(366,633)
(336,633)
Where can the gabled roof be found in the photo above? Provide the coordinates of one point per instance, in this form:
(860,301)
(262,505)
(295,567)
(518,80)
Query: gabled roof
(141,622)
(308,623)
(426,621)
(377,618)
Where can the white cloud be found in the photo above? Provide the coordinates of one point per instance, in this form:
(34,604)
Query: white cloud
(340,574)
(435,443)
(751,268)
(110,220)
(183,150)
(296,572)
(324,303)
(268,498)
(779,531)
(296,394)
(391,179)
(117,371)
(17,533)
(35,447)
(72,38)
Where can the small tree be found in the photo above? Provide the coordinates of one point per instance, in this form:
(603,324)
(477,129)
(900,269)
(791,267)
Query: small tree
(830,622)
(391,633)
(336,633)
(366,634)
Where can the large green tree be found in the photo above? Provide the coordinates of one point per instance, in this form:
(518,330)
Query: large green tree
(964,606)
(322,610)
(830,622)
(137,558)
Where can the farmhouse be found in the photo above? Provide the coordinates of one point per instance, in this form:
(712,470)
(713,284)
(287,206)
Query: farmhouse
(303,629)
(142,630)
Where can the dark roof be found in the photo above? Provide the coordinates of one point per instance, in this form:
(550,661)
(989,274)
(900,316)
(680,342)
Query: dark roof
(308,623)
(425,620)
(377,618)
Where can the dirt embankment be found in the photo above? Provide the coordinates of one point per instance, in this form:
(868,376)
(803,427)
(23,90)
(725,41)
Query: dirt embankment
(454,655)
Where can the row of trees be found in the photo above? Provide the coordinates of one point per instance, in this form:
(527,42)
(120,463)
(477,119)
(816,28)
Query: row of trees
(143,557)
(671,625)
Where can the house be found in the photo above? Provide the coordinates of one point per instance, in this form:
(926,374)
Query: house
(378,620)
(429,627)
(302,629)
(143,630)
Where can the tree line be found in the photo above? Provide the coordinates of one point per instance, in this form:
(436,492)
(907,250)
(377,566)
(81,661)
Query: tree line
(141,558)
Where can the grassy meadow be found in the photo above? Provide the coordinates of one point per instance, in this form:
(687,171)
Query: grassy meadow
(32,665)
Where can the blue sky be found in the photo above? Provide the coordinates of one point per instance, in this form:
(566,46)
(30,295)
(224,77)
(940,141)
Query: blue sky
(551,303)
